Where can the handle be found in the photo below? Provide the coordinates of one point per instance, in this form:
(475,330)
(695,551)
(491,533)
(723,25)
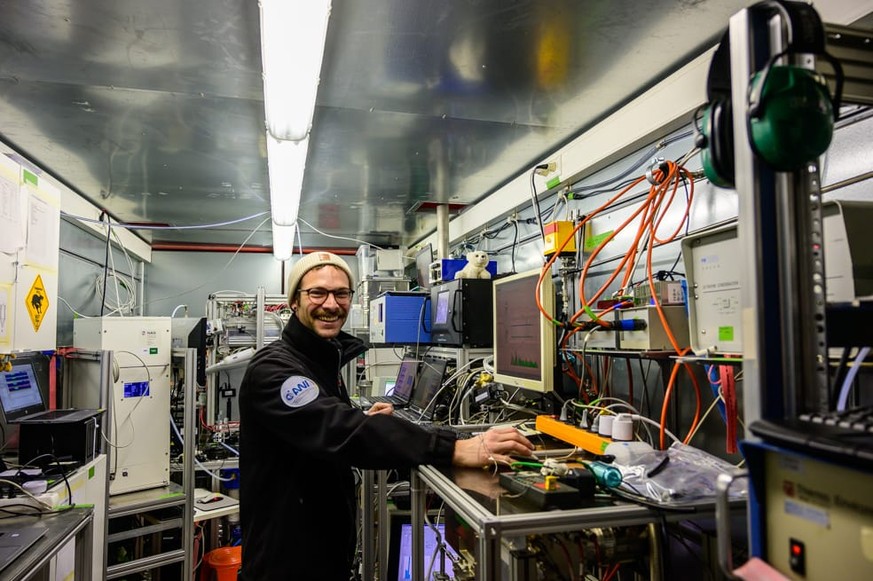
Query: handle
(455,301)
(723,521)
(424,305)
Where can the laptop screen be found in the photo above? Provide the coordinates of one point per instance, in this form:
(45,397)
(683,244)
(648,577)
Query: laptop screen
(401,550)
(405,381)
(19,392)
(429,381)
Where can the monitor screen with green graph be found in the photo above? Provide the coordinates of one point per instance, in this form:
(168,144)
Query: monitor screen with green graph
(524,340)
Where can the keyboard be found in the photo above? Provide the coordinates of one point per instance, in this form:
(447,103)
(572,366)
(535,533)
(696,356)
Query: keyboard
(459,433)
(411,415)
(859,419)
(842,436)
(383,399)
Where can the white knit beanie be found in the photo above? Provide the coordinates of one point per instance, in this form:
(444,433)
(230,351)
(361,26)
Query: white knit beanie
(314,260)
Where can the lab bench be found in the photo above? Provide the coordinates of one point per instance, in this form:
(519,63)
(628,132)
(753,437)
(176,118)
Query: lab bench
(495,517)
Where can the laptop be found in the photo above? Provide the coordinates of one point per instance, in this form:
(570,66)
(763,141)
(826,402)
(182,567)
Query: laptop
(16,540)
(430,378)
(404,385)
(21,399)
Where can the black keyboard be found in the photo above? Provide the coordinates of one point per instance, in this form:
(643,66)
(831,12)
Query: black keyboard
(412,416)
(380,398)
(859,419)
(844,436)
(460,434)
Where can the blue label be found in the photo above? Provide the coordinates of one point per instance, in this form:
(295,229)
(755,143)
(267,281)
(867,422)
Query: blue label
(136,389)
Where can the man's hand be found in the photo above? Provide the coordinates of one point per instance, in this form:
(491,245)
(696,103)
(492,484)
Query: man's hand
(381,407)
(495,445)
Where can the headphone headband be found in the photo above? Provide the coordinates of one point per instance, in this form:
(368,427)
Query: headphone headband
(805,36)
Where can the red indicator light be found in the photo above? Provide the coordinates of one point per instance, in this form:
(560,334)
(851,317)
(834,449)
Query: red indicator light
(796,550)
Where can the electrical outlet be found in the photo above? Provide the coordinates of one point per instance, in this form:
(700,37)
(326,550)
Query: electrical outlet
(553,166)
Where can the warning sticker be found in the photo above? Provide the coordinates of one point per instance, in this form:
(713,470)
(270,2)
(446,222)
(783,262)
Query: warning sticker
(37,303)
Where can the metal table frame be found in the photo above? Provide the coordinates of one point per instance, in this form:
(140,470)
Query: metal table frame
(74,524)
(491,528)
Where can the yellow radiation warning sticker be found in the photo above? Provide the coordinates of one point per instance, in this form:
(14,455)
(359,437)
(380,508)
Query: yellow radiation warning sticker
(37,303)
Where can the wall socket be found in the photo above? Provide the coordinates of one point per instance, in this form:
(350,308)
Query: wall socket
(554,167)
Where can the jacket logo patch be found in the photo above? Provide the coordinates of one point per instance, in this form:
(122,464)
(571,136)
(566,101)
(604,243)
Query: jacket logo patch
(297,391)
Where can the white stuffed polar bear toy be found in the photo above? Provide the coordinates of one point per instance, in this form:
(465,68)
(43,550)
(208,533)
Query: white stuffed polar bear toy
(477,261)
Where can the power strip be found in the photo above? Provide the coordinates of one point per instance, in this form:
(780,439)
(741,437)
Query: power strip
(571,434)
(21,501)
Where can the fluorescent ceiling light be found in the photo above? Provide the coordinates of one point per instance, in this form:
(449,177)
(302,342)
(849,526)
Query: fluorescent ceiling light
(286,162)
(292,47)
(283,241)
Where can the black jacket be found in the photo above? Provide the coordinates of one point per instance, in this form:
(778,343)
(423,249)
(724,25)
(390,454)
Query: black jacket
(300,436)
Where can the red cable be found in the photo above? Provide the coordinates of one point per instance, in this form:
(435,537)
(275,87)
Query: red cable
(729,393)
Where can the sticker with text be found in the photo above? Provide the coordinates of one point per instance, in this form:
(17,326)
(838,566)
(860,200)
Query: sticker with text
(297,391)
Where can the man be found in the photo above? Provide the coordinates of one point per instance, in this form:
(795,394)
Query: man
(301,436)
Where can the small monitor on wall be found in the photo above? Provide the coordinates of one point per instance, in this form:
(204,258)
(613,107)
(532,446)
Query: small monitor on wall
(524,340)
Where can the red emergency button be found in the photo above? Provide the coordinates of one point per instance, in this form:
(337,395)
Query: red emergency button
(797,557)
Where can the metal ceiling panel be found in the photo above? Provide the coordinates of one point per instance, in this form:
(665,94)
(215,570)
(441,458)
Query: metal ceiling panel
(154,110)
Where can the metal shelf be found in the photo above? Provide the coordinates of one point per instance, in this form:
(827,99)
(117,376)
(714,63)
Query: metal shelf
(145,564)
(142,500)
(155,499)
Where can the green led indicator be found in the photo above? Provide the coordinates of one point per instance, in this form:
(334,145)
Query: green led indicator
(725,333)
(153,350)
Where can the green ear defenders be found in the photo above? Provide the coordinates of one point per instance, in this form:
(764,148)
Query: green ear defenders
(713,132)
(791,113)
(793,122)
(713,123)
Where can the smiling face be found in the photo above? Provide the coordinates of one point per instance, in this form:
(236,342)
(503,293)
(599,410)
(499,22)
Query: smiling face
(327,318)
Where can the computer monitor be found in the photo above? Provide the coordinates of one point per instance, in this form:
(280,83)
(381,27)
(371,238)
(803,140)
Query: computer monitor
(405,380)
(441,315)
(430,379)
(19,391)
(400,553)
(524,340)
(423,260)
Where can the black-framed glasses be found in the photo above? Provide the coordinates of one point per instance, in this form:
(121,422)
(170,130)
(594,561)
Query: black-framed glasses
(318,295)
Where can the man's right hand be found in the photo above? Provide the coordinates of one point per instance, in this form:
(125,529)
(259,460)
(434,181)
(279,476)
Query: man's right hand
(494,446)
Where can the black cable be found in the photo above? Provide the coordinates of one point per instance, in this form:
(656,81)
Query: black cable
(63,473)
(644,398)
(687,222)
(642,500)
(31,464)
(536,201)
